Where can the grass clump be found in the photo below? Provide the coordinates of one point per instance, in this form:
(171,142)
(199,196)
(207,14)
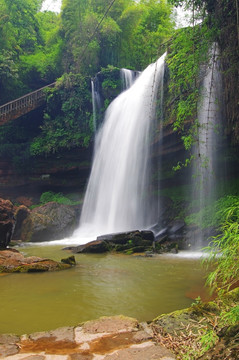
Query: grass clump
(224,250)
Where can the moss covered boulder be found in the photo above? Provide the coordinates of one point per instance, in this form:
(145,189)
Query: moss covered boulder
(203,331)
(12,261)
(48,222)
(126,242)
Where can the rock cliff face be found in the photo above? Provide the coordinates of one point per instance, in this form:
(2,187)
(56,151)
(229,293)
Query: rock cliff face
(7,222)
(67,171)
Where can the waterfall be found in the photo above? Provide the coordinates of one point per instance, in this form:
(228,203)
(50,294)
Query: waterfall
(96,101)
(127,78)
(205,170)
(116,198)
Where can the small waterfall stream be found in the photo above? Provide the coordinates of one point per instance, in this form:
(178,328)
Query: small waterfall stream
(96,102)
(206,171)
(116,196)
(127,78)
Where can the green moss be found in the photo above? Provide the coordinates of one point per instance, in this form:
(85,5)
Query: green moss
(49,196)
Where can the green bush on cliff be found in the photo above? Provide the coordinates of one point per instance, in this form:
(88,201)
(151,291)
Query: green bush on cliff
(214,214)
(49,196)
(67,120)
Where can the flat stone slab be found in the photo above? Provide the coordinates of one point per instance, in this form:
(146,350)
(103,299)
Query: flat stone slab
(116,337)
(111,325)
(147,350)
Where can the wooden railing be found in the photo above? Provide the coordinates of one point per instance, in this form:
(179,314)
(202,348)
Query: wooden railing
(16,108)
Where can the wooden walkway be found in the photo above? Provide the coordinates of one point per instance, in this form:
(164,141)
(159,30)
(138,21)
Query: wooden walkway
(21,106)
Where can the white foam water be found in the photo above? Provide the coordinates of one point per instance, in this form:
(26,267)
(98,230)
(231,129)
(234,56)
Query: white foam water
(116,198)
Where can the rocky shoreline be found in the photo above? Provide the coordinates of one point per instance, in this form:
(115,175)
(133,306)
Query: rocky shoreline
(182,335)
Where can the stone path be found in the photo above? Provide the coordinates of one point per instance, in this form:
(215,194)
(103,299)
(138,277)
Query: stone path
(108,338)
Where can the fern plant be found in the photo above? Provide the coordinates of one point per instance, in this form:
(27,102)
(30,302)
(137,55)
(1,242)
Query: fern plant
(224,251)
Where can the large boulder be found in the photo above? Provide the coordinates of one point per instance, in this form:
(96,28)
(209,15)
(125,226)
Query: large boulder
(170,238)
(12,261)
(93,247)
(48,222)
(127,242)
(21,214)
(7,222)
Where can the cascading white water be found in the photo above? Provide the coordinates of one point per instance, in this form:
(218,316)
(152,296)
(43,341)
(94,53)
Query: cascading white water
(127,78)
(209,130)
(96,101)
(116,196)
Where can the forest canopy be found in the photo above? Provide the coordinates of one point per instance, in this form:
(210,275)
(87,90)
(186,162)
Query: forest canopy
(37,48)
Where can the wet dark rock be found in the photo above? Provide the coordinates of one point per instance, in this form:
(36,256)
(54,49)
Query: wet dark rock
(21,214)
(197,238)
(176,226)
(135,236)
(93,247)
(171,238)
(69,260)
(48,222)
(127,242)
(161,235)
(7,222)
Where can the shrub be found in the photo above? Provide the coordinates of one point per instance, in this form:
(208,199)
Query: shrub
(57,197)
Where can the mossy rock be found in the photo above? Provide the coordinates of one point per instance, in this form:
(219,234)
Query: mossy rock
(179,320)
(137,249)
(41,267)
(69,260)
(12,261)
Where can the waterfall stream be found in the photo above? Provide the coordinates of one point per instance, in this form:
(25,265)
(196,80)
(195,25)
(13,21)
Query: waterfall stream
(206,170)
(127,78)
(116,198)
(96,102)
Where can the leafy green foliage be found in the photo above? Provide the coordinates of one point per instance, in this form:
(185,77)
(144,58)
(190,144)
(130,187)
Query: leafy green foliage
(44,64)
(9,74)
(15,138)
(49,196)
(214,214)
(230,316)
(187,52)
(196,5)
(129,35)
(208,340)
(67,121)
(30,47)
(224,249)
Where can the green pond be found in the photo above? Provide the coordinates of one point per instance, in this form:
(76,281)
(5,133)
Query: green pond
(99,285)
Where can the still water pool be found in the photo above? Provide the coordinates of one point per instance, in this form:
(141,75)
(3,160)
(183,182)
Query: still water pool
(99,285)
